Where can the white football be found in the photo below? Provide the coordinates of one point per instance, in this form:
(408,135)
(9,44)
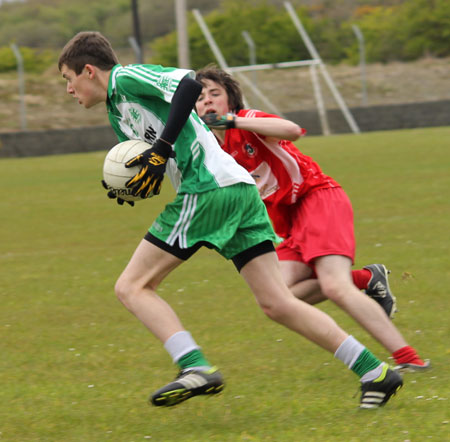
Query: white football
(116,174)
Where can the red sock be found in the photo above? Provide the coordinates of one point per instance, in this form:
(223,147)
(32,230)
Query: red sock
(361,278)
(407,355)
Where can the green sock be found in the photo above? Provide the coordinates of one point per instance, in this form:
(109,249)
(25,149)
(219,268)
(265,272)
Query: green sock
(365,363)
(195,358)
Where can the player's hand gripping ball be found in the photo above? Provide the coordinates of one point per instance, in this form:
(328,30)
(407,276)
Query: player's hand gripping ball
(116,175)
(152,164)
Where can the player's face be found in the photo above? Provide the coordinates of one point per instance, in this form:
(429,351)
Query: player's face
(82,87)
(213,99)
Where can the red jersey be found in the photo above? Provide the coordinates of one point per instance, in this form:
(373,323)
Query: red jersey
(282,173)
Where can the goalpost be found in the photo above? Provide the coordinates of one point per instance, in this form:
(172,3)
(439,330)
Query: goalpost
(315,62)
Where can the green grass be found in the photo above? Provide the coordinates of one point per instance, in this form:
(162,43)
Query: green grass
(76,366)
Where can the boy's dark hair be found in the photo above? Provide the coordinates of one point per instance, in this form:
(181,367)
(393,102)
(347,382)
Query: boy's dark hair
(219,76)
(88,48)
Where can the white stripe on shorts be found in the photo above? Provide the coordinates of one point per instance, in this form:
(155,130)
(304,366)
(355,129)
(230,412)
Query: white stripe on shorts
(182,225)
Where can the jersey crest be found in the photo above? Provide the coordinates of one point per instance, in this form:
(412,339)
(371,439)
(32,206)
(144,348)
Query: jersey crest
(164,82)
(250,150)
(135,115)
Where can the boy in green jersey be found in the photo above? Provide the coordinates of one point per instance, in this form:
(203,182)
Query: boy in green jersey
(217,205)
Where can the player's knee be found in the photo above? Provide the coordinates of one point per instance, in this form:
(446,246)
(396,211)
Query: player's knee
(271,312)
(335,291)
(274,310)
(126,291)
(122,291)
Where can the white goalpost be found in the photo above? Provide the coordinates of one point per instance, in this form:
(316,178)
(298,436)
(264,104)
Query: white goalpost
(314,63)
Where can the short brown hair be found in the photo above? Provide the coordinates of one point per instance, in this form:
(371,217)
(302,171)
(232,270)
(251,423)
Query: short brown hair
(219,76)
(88,48)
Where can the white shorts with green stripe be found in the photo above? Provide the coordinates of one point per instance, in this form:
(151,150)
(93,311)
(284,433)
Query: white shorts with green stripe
(229,219)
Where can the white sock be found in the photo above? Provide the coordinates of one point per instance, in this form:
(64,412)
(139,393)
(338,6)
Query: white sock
(349,351)
(180,344)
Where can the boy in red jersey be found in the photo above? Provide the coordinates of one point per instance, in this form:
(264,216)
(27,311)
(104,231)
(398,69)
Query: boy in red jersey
(308,208)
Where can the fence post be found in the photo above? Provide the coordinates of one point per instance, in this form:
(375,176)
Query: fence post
(20,73)
(362,62)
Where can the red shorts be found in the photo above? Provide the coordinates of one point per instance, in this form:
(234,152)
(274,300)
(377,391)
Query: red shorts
(322,225)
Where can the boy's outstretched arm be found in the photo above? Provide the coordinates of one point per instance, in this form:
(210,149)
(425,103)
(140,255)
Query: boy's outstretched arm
(278,128)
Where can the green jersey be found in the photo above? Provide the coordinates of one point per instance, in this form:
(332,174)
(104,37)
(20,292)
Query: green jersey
(138,103)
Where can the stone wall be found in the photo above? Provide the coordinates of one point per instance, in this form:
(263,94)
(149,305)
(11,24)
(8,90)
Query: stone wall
(374,118)
(52,142)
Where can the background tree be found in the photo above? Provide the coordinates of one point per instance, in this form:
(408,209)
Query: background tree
(393,29)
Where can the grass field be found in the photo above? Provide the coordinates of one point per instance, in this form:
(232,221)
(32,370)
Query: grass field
(76,366)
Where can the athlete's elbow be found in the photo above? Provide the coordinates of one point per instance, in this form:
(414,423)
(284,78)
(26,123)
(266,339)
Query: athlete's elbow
(294,132)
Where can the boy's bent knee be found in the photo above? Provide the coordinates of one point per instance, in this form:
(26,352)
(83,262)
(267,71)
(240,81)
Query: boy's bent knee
(337,292)
(122,290)
(126,290)
(276,311)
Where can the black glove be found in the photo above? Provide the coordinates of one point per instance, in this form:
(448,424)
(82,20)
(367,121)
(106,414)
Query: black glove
(215,121)
(111,194)
(153,161)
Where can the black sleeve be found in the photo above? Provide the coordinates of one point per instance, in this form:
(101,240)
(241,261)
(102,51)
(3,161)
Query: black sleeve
(183,101)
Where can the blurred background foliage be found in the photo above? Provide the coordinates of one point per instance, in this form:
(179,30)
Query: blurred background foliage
(401,30)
